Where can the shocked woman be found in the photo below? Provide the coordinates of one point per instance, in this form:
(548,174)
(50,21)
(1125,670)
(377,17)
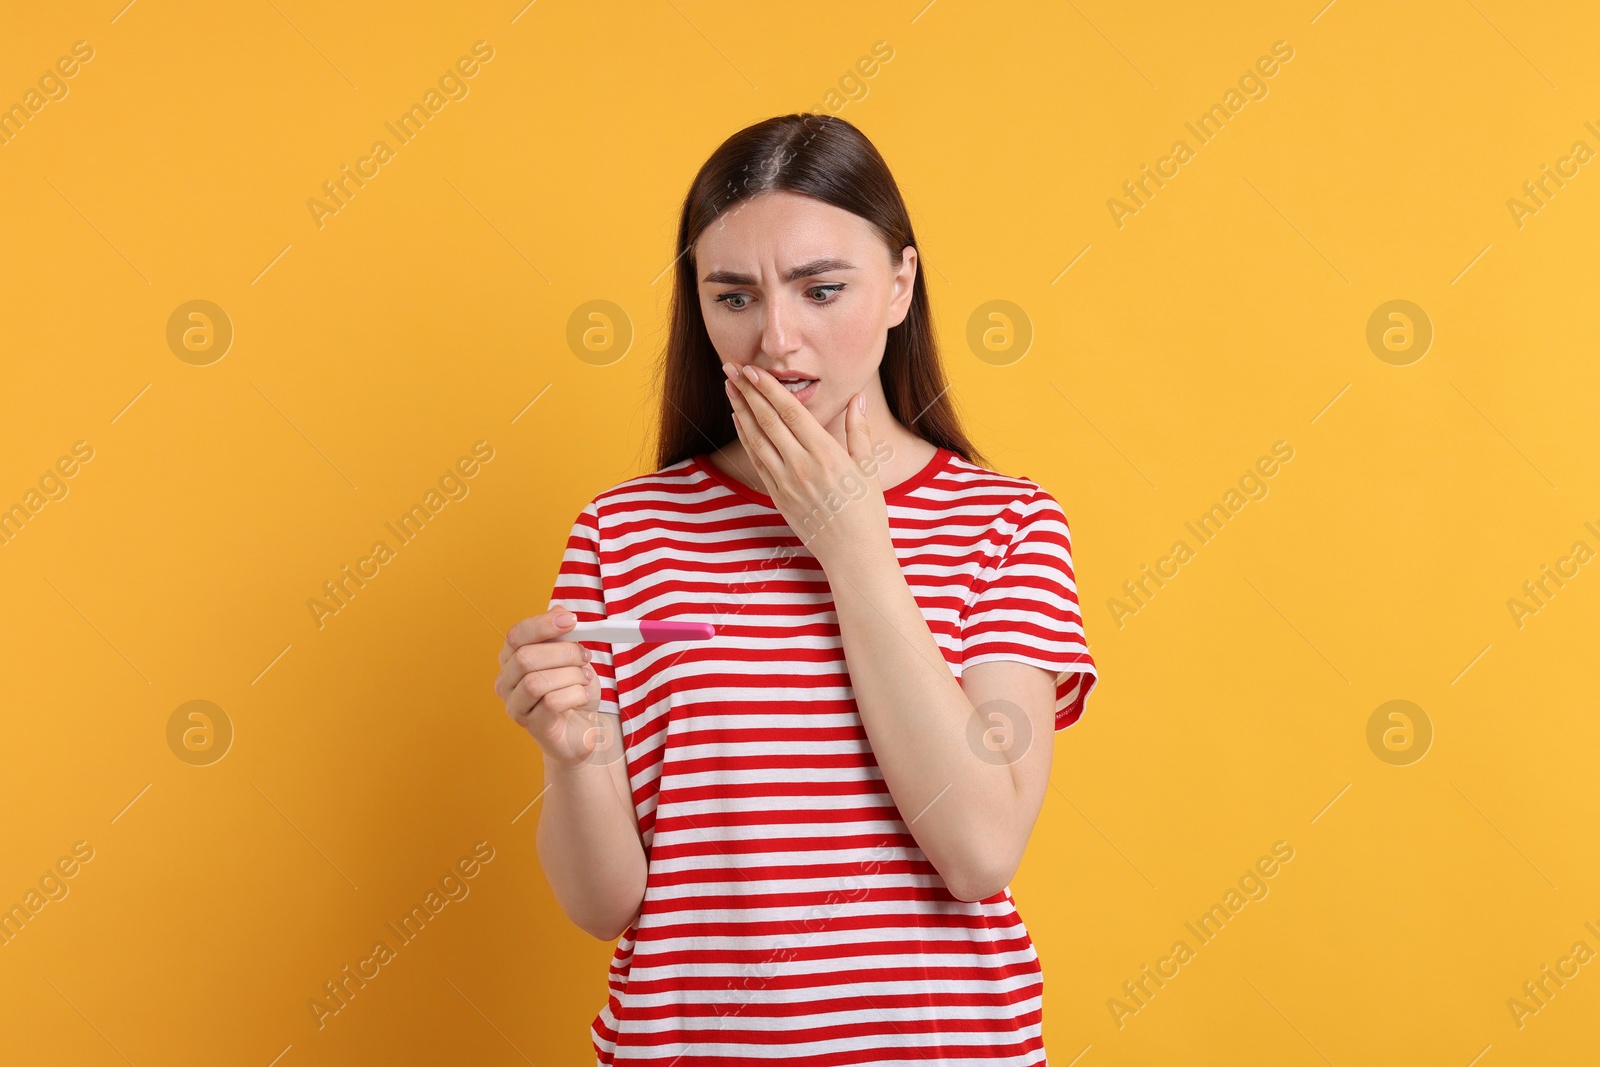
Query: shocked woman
(803,829)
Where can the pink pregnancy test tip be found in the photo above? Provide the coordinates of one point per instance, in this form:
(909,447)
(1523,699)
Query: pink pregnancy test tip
(675,631)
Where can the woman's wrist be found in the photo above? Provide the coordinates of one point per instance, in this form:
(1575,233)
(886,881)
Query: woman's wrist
(861,566)
(557,768)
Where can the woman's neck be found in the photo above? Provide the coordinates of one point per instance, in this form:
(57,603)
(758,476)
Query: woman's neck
(908,455)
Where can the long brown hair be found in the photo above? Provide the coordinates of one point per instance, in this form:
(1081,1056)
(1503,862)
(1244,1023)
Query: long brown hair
(825,157)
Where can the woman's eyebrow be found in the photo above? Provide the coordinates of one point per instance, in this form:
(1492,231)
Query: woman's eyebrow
(804,270)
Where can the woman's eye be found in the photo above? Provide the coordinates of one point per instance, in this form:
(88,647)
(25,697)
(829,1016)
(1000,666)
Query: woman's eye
(728,299)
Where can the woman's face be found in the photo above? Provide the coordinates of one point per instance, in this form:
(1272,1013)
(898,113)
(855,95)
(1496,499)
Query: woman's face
(799,287)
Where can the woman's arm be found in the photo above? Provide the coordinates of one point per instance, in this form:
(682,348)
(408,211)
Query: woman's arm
(589,844)
(970,815)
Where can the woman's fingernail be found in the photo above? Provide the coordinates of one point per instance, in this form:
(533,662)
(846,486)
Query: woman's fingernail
(727,370)
(861,403)
(566,618)
(588,675)
(750,372)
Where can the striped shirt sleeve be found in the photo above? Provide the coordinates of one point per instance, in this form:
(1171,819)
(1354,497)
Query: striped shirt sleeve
(1024,607)
(578,587)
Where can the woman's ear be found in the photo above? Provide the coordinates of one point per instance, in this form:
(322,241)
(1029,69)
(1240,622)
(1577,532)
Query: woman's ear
(904,285)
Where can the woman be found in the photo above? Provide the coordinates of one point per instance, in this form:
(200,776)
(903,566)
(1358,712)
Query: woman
(803,829)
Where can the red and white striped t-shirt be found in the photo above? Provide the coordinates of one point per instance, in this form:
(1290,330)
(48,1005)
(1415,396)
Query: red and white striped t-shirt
(789,915)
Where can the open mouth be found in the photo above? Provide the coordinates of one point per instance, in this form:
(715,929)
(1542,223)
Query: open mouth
(800,388)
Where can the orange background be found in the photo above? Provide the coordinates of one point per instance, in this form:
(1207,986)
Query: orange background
(1165,355)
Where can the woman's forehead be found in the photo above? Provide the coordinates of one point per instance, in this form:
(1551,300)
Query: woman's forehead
(781,231)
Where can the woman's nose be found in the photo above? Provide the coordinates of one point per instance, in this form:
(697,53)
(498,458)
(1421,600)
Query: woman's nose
(777,331)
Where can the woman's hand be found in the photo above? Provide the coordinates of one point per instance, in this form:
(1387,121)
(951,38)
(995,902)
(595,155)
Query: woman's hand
(829,495)
(550,689)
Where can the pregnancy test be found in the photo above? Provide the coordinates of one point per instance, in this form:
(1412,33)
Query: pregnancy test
(629,631)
